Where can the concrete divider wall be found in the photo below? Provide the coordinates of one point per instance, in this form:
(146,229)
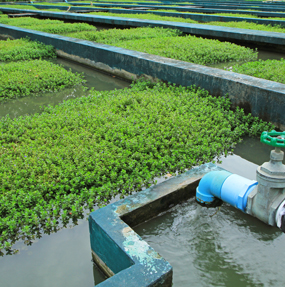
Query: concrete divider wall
(148,268)
(263,98)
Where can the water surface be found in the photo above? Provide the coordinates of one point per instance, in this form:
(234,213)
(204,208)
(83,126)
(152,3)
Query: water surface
(220,247)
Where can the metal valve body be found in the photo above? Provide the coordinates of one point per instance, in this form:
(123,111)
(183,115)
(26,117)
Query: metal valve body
(267,196)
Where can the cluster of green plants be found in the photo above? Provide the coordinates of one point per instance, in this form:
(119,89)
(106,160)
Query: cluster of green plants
(114,36)
(251,26)
(18,79)
(24,49)
(54,4)
(56,164)
(273,70)
(215,14)
(11,1)
(192,49)
(168,43)
(49,26)
(28,7)
(241,25)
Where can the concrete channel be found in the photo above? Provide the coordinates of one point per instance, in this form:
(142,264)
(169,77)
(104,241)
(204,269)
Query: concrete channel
(269,40)
(263,98)
(196,17)
(151,7)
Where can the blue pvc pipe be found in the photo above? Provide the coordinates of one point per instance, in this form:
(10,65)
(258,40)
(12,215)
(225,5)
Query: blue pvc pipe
(231,188)
(210,186)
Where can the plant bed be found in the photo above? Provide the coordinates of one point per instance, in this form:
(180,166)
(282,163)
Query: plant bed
(114,36)
(159,42)
(24,49)
(30,7)
(241,25)
(273,70)
(29,77)
(49,26)
(85,151)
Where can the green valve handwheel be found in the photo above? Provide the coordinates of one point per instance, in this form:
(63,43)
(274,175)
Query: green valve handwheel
(273,138)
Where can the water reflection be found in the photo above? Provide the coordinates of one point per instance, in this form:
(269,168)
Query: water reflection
(224,248)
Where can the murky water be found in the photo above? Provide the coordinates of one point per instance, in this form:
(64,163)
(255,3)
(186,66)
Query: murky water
(220,247)
(262,55)
(33,104)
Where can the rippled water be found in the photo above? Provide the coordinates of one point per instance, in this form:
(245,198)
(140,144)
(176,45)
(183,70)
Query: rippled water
(220,247)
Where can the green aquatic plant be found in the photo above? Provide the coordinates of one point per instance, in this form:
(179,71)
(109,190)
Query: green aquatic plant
(167,43)
(29,7)
(24,49)
(191,49)
(113,36)
(48,25)
(273,70)
(24,78)
(241,25)
(56,164)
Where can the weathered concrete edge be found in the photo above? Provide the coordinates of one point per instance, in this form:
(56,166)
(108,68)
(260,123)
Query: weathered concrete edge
(148,268)
(121,73)
(265,99)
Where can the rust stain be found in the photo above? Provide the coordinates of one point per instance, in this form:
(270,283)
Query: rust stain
(122,209)
(126,230)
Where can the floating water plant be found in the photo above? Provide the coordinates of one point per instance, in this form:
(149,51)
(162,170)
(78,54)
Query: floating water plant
(24,78)
(55,164)
(167,43)
(191,49)
(113,36)
(24,49)
(241,25)
(273,70)
(49,26)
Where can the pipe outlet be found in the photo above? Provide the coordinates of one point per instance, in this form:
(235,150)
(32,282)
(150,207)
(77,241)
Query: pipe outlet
(231,188)
(210,186)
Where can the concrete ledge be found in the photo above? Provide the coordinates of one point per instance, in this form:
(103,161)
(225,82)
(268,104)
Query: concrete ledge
(132,261)
(265,99)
